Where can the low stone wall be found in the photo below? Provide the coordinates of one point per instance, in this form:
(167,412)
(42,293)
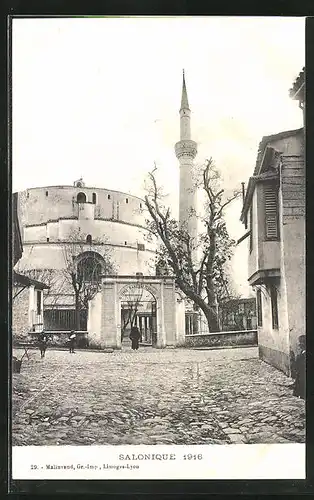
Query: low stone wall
(221,339)
(57,339)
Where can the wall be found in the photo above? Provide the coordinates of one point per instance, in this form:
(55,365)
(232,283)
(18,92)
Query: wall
(180,321)
(253,254)
(293,241)
(94,320)
(127,259)
(113,232)
(273,343)
(20,313)
(248,338)
(170,319)
(35,207)
(54,340)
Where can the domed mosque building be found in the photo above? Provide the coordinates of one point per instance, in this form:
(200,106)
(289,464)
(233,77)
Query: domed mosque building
(74,236)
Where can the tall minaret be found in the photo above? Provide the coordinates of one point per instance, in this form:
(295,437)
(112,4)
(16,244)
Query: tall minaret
(186,150)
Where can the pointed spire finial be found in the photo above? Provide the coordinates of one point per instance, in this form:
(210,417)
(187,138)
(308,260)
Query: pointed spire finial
(184,98)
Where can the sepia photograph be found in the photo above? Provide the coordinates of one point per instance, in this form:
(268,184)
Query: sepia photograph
(158,261)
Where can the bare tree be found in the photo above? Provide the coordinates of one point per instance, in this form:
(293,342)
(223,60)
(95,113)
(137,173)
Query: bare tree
(197,263)
(83,267)
(47,276)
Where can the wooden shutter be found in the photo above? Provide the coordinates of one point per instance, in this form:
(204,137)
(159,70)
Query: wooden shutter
(271,211)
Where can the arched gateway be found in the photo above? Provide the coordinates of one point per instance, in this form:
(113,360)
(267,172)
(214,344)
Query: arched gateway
(104,325)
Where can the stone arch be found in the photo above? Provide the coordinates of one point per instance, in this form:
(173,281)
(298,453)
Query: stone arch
(105,319)
(133,286)
(81,197)
(91,265)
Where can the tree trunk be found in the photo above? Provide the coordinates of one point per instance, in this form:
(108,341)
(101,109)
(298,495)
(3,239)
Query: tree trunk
(196,319)
(212,321)
(77,312)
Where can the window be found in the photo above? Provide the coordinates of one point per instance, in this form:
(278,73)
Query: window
(89,269)
(241,308)
(141,246)
(271,211)
(94,198)
(47,239)
(109,196)
(27,194)
(274,306)
(127,200)
(89,239)
(81,198)
(259,308)
(46,193)
(251,228)
(38,303)
(140,205)
(125,242)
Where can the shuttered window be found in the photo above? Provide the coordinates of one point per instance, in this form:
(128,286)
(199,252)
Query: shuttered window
(271,211)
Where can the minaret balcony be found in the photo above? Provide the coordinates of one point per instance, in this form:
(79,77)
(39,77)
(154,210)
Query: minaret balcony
(186,148)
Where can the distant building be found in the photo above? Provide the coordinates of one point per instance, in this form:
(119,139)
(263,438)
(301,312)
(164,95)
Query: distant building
(274,216)
(238,314)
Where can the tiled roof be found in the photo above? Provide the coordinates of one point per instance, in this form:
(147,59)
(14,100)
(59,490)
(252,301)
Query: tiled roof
(297,85)
(22,279)
(269,138)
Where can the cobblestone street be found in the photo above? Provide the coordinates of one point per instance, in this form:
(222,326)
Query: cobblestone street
(170,396)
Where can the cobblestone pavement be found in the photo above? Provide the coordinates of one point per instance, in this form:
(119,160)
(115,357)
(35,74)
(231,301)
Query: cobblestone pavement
(170,396)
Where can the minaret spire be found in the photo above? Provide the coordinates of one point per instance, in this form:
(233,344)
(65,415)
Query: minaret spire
(186,150)
(184,98)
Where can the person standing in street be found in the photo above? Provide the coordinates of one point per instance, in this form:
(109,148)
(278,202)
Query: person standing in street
(43,341)
(299,370)
(72,341)
(135,337)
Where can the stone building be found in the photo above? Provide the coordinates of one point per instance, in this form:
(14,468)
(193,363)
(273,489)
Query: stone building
(274,216)
(92,225)
(27,293)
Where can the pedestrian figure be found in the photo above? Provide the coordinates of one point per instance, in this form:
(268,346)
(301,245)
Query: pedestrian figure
(299,370)
(43,341)
(135,337)
(72,341)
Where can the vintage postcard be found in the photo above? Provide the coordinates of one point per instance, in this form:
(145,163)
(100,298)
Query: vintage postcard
(158,275)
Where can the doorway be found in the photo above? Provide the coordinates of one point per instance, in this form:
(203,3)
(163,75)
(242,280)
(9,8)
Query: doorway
(138,309)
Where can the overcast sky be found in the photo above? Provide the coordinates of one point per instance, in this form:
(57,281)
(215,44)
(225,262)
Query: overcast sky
(100,97)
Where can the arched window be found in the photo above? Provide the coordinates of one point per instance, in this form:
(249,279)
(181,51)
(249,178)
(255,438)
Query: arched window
(89,268)
(89,239)
(94,198)
(81,198)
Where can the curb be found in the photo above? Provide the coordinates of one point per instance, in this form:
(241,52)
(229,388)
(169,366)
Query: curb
(221,347)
